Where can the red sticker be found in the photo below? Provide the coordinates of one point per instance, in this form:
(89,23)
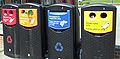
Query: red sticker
(9,39)
(9,16)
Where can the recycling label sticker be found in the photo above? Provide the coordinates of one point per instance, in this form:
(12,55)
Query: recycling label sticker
(9,39)
(59,20)
(28,17)
(98,21)
(59,47)
(9,16)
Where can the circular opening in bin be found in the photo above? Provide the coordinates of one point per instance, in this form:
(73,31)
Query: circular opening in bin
(5,11)
(30,12)
(11,12)
(23,11)
(92,15)
(103,15)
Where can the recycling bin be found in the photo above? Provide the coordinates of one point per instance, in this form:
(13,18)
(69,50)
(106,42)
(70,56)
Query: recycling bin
(30,21)
(62,31)
(98,28)
(10,30)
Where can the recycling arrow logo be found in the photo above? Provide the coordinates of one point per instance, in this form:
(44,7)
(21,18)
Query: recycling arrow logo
(9,39)
(59,47)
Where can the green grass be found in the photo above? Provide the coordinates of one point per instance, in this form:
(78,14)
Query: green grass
(104,1)
(116,1)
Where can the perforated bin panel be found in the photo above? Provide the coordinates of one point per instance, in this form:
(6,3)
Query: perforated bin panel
(30,43)
(11,41)
(117,52)
(66,38)
(99,47)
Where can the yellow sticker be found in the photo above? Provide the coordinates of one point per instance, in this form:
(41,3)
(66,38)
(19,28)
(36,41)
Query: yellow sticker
(28,17)
(98,21)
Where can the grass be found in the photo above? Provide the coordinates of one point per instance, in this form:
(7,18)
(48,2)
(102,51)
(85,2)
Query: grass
(104,1)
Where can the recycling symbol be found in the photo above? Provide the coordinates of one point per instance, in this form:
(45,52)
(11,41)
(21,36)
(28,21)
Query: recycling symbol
(59,47)
(9,39)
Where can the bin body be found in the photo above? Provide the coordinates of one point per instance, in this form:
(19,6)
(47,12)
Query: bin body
(10,30)
(98,27)
(62,31)
(30,20)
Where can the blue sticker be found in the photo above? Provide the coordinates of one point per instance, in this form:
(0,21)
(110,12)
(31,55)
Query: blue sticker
(59,47)
(59,20)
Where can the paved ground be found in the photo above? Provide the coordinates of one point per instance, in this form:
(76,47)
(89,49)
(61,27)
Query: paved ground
(2,56)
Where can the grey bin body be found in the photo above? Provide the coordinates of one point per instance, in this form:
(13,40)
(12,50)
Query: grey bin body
(62,31)
(97,42)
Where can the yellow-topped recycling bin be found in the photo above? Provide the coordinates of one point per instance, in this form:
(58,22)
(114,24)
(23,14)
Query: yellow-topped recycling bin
(31,31)
(98,28)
